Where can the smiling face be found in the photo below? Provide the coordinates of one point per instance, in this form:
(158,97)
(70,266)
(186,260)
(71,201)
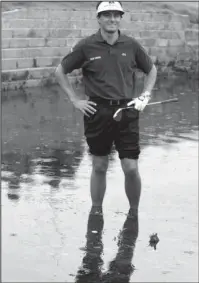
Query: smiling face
(109,21)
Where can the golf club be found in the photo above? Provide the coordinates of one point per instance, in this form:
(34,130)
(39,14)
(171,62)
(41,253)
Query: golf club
(118,114)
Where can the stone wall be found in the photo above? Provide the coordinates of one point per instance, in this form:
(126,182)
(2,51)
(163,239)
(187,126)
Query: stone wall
(35,40)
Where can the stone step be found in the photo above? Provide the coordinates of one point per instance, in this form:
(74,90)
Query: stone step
(34,52)
(41,33)
(79,33)
(174,53)
(27,74)
(40,82)
(14,85)
(70,42)
(38,42)
(37,62)
(77,24)
(144,15)
(157,34)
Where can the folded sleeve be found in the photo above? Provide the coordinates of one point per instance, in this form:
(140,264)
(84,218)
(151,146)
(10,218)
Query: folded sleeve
(143,60)
(74,59)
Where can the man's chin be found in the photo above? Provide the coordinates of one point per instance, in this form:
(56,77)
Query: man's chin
(111,30)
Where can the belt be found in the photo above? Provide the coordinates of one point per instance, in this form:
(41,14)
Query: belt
(111,102)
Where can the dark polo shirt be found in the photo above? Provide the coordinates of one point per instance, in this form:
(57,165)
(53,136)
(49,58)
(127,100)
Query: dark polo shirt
(108,69)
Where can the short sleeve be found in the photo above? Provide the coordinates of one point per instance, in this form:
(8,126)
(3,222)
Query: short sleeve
(74,59)
(143,60)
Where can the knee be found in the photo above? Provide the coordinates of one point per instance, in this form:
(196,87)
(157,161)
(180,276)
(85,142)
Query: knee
(129,166)
(100,164)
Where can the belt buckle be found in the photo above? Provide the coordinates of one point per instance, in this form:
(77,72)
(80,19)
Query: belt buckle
(114,102)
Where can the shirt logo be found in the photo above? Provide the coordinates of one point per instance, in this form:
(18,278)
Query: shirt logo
(95,58)
(123,54)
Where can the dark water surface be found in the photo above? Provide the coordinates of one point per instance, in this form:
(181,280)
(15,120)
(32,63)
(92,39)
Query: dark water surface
(46,233)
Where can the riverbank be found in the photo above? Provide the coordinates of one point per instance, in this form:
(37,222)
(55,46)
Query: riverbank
(37,35)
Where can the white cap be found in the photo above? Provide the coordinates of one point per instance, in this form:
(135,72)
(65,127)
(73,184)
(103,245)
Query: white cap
(109,6)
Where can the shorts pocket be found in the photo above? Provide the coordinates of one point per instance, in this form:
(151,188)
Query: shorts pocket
(132,114)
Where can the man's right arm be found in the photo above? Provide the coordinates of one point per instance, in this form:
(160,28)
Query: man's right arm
(70,62)
(65,84)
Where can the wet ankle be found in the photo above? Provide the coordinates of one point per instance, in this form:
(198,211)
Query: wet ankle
(133,212)
(96,209)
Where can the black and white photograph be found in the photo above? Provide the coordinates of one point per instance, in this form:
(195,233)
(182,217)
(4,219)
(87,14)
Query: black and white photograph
(99,141)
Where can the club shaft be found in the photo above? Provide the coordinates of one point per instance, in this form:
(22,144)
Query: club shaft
(158,102)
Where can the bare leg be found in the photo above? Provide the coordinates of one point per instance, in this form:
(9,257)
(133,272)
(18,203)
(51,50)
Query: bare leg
(132,183)
(98,181)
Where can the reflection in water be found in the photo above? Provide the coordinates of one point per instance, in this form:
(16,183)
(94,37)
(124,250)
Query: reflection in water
(14,168)
(91,269)
(120,268)
(53,167)
(59,165)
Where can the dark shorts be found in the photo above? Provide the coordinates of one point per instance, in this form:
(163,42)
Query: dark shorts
(102,131)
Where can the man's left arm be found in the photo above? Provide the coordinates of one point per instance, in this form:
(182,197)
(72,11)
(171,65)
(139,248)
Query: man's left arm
(150,80)
(145,64)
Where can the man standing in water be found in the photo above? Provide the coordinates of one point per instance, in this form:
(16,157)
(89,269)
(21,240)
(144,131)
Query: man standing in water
(108,59)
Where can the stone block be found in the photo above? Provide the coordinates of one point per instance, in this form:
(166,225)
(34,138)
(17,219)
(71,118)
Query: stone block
(140,17)
(6,33)
(147,41)
(176,42)
(161,42)
(132,33)
(15,63)
(8,64)
(37,42)
(55,42)
(5,43)
(25,63)
(48,61)
(18,42)
(87,32)
(191,34)
(72,41)
(160,54)
(174,26)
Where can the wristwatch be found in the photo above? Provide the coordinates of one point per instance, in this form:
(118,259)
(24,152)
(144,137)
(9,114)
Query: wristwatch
(147,94)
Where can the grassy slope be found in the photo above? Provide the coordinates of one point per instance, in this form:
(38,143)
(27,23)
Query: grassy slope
(186,8)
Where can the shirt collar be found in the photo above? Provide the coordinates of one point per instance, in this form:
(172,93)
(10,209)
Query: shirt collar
(122,37)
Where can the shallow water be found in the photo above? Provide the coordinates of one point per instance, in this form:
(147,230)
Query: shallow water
(45,193)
